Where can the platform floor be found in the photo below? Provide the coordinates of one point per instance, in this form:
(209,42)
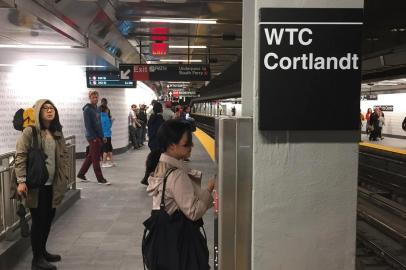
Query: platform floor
(103,230)
(398,144)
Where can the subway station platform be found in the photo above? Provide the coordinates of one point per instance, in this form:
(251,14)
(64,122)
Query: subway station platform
(104,229)
(389,144)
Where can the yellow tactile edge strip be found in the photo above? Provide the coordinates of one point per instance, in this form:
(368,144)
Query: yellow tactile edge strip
(384,148)
(206,141)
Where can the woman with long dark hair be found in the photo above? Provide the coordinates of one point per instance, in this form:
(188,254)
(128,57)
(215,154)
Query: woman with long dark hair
(184,197)
(42,201)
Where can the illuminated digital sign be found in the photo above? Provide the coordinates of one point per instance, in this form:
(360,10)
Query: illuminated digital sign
(107,79)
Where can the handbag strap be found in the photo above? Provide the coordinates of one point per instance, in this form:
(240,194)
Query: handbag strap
(34,137)
(163,190)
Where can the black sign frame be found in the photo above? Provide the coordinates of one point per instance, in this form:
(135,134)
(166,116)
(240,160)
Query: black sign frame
(305,99)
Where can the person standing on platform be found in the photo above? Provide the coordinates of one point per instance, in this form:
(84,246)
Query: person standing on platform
(168,114)
(381,122)
(107,146)
(43,200)
(134,127)
(154,122)
(142,118)
(367,117)
(374,125)
(94,136)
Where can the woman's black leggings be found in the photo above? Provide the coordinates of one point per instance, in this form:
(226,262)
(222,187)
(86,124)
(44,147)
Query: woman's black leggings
(41,221)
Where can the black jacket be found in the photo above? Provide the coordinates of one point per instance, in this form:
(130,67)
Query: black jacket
(155,121)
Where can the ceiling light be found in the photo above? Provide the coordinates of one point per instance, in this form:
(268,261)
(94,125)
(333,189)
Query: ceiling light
(34,46)
(181,60)
(179,82)
(185,47)
(188,21)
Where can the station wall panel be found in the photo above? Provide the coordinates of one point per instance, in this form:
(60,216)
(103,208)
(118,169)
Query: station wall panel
(66,87)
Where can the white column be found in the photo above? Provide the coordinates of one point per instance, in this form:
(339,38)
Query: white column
(304,185)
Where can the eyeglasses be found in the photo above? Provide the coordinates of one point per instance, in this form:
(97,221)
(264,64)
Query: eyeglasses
(48,108)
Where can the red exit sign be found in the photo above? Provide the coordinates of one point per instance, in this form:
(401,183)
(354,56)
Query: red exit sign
(141,73)
(159,48)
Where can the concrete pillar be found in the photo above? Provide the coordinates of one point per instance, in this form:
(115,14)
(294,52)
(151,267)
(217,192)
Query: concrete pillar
(304,182)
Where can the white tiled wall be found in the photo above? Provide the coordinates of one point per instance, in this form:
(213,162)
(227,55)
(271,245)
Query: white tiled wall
(393,119)
(66,87)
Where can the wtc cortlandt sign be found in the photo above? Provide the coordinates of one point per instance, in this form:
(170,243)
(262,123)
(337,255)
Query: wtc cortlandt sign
(309,69)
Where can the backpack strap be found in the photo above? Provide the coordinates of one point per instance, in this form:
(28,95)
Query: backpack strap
(168,172)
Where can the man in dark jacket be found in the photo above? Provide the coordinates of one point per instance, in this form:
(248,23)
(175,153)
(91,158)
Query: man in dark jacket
(154,123)
(142,117)
(94,136)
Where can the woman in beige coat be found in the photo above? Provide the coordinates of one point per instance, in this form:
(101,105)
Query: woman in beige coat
(184,195)
(42,201)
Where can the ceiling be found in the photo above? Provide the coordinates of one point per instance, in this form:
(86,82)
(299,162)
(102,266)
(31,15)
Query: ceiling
(115,27)
(223,40)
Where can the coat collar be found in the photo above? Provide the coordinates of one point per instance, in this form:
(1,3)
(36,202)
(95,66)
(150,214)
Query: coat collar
(180,164)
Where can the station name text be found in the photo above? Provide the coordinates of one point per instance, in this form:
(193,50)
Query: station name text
(305,61)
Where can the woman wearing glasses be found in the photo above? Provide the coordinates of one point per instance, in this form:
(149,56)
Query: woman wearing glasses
(184,197)
(42,201)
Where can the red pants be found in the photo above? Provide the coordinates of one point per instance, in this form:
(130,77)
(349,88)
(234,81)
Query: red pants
(93,157)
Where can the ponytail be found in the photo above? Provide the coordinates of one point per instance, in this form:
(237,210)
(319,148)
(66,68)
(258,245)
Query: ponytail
(150,164)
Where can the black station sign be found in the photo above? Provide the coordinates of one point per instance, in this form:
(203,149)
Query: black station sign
(166,72)
(309,69)
(107,79)
(385,108)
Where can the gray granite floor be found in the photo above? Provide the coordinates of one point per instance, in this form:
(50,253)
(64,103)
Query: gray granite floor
(387,141)
(103,230)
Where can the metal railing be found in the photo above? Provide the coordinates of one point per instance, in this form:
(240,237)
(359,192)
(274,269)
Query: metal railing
(9,221)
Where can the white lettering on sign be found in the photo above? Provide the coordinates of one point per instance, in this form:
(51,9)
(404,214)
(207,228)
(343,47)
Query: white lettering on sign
(309,61)
(277,35)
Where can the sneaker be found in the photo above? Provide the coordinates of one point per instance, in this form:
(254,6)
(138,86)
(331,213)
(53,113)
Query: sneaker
(82,178)
(103,182)
(106,165)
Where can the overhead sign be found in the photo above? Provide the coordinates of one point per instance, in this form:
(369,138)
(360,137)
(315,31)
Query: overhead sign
(369,97)
(107,79)
(126,73)
(168,72)
(309,69)
(385,108)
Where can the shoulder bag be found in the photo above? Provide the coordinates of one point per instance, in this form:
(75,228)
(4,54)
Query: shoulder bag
(173,242)
(37,172)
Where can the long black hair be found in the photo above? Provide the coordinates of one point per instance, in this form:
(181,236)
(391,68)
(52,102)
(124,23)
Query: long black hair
(169,133)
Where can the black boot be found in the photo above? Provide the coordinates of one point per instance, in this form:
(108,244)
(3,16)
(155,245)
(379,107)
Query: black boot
(41,264)
(52,257)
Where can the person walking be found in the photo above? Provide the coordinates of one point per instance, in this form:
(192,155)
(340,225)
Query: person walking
(94,136)
(43,200)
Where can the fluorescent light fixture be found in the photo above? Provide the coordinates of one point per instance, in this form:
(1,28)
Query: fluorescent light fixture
(179,82)
(181,60)
(180,20)
(34,46)
(185,47)
(48,65)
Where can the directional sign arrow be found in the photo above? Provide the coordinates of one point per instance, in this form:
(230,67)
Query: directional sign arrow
(124,75)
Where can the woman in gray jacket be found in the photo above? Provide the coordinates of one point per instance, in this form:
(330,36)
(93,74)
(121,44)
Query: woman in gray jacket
(42,201)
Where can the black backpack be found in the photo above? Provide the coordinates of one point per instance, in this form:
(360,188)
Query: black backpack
(18,120)
(37,172)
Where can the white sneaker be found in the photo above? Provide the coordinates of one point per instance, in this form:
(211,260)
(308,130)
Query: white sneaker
(106,165)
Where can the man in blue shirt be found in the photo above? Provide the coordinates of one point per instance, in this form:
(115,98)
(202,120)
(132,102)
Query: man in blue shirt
(94,136)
